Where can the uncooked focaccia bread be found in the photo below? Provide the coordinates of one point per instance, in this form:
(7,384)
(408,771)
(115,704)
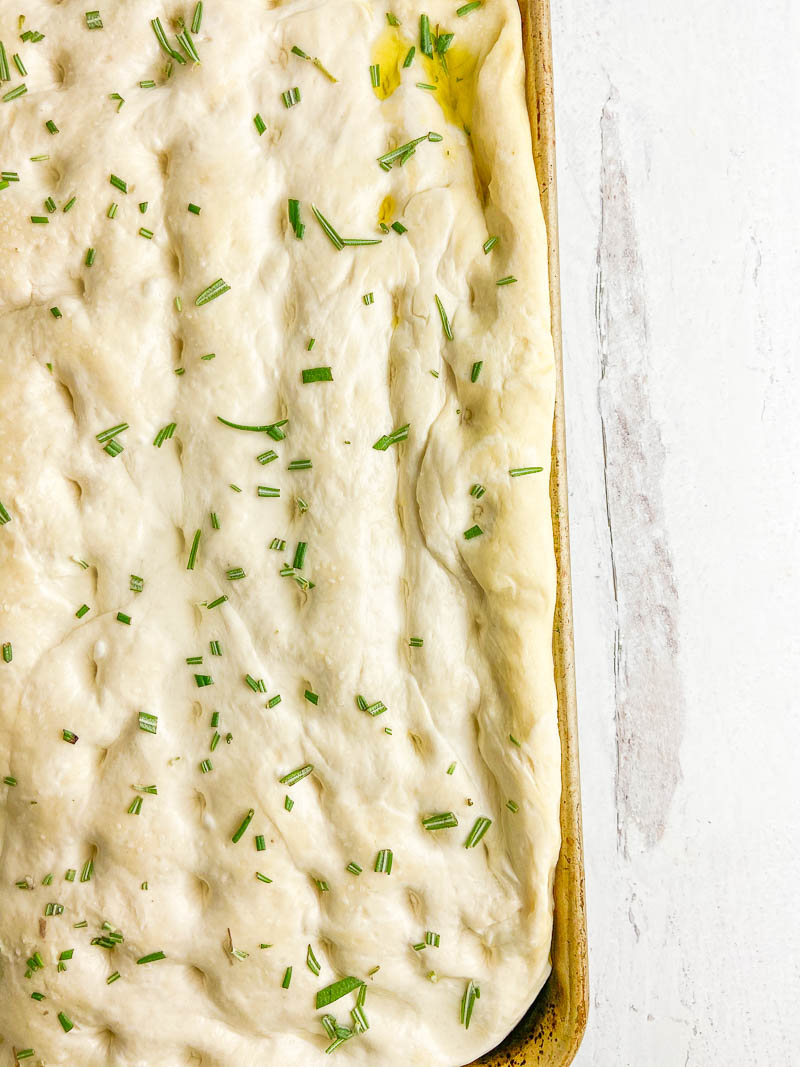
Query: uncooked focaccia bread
(243,667)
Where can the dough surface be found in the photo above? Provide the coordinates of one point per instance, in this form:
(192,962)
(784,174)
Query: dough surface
(115,873)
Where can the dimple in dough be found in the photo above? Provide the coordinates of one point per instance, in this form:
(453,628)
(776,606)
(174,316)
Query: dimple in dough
(384,530)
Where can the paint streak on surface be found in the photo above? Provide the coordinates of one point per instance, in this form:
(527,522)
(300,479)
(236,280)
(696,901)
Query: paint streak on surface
(649,701)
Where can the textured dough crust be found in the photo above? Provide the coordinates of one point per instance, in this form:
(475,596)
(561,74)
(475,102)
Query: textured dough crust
(384,529)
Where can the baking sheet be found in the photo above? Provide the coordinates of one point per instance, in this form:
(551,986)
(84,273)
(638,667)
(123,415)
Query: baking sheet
(552,1029)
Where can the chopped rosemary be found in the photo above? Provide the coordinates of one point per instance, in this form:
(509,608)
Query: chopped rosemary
(471,994)
(448,330)
(472,532)
(518,472)
(217,288)
(425,41)
(294,219)
(312,962)
(300,555)
(164,434)
(14,94)
(293,777)
(443,821)
(330,232)
(148,723)
(187,44)
(402,153)
(318,374)
(166,47)
(317,62)
(400,434)
(482,824)
(193,551)
(384,861)
(337,990)
(374,710)
(243,826)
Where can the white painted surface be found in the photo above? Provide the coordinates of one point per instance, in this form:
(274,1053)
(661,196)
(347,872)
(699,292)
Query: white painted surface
(679,178)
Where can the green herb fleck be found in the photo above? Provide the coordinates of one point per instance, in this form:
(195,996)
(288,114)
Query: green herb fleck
(477,832)
(211,292)
(293,777)
(243,826)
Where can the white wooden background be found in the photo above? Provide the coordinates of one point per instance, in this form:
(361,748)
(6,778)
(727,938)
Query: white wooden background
(679,182)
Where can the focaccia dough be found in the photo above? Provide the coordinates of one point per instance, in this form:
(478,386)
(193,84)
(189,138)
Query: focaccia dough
(470,721)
